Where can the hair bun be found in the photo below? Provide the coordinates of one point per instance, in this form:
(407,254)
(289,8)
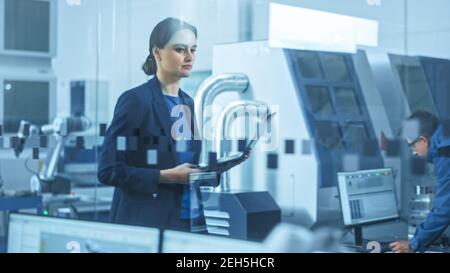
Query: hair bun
(149,67)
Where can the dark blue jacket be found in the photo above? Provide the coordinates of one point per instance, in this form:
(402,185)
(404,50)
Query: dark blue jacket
(439,217)
(141,127)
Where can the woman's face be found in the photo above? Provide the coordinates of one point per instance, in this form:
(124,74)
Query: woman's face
(178,56)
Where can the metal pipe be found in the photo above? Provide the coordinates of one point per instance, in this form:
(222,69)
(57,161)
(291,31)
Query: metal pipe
(207,92)
(225,121)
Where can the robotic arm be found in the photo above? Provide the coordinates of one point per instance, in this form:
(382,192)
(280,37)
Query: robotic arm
(61,128)
(25,129)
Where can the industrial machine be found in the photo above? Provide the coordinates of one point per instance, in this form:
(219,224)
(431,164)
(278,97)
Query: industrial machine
(406,84)
(323,126)
(334,110)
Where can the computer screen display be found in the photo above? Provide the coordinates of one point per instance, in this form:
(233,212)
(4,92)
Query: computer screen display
(185,242)
(25,100)
(367,196)
(32,34)
(43,234)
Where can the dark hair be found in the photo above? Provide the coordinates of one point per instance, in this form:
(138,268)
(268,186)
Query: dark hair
(161,35)
(427,122)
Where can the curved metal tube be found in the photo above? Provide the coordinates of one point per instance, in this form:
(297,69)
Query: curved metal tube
(225,121)
(207,92)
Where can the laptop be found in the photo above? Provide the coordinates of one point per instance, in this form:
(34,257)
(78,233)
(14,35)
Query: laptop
(225,163)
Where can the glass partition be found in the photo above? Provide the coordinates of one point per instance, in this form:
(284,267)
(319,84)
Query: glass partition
(72,134)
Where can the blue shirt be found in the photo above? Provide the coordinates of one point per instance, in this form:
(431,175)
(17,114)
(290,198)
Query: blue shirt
(439,217)
(187,156)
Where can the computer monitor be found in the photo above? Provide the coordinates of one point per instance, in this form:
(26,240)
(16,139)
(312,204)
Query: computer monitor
(367,197)
(36,36)
(44,234)
(186,242)
(32,100)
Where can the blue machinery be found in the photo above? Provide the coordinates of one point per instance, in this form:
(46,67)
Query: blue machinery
(332,109)
(18,203)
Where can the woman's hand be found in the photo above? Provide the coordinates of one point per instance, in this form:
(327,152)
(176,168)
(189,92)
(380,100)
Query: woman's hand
(178,175)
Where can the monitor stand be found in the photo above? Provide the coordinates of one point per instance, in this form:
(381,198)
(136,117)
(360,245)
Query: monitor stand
(358,240)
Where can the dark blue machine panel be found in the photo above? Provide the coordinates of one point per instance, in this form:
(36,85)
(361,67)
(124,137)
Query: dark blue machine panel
(437,72)
(425,82)
(77,97)
(330,96)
